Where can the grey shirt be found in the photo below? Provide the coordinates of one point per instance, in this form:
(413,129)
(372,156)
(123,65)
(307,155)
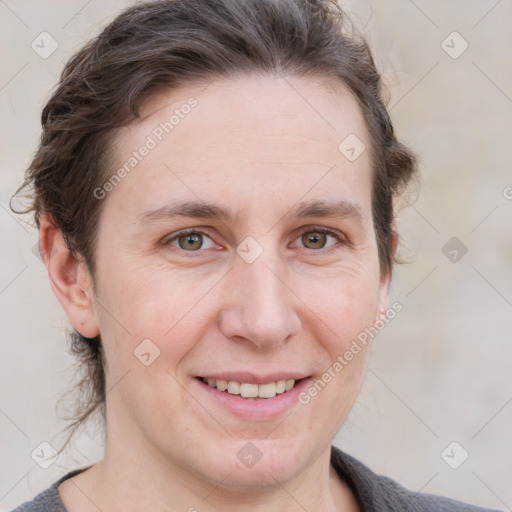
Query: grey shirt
(375,493)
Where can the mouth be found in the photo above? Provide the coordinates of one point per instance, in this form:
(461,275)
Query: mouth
(249,390)
(250,396)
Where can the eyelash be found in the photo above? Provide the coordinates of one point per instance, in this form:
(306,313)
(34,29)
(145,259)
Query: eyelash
(308,229)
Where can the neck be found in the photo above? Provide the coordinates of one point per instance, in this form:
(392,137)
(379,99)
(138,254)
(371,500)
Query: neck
(138,479)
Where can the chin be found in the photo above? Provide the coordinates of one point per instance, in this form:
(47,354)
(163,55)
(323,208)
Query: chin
(260,463)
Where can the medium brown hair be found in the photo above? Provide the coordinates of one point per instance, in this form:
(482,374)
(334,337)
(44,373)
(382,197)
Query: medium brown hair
(169,43)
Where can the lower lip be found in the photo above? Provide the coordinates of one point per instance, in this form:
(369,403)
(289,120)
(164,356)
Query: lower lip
(254,409)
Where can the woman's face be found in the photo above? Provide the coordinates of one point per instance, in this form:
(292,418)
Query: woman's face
(276,275)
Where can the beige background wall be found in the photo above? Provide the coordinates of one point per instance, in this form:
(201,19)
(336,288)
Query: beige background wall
(440,372)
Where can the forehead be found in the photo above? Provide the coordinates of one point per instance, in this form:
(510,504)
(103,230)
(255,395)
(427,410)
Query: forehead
(244,137)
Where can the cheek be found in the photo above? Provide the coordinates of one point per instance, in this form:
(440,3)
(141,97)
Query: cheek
(149,304)
(346,302)
(152,323)
(346,309)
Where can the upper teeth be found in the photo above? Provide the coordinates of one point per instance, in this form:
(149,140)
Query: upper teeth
(268,390)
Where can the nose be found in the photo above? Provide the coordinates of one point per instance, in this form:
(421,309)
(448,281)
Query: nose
(260,308)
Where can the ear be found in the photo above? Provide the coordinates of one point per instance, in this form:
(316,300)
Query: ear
(385,280)
(69,278)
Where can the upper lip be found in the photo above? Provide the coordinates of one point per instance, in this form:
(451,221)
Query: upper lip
(252,378)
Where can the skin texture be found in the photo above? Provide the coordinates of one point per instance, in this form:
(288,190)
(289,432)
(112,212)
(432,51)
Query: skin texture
(253,145)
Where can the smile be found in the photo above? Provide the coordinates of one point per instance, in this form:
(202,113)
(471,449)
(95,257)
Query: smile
(252,396)
(248,390)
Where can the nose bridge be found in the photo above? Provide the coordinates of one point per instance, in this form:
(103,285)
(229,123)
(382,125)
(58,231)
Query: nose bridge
(261,307)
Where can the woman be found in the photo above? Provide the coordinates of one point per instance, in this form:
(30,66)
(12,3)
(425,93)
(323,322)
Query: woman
(214,194)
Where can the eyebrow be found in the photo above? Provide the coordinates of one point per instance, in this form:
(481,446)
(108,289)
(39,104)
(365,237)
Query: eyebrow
(206,210)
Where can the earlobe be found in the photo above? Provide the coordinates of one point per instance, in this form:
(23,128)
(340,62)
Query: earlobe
(69,278)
